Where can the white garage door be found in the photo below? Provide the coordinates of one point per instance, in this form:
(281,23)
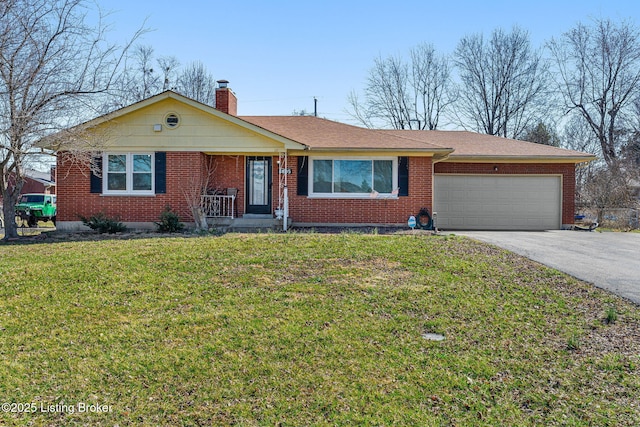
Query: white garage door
(482,202)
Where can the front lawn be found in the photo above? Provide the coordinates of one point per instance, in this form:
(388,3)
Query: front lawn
(308,329)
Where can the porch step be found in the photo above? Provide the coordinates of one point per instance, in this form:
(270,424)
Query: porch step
(255,222)
(257,216)
(252,223)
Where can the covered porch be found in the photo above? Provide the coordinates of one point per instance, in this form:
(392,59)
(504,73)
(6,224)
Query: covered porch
(245,191)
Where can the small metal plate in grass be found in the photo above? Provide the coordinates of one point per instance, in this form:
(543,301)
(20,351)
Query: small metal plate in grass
(432,337)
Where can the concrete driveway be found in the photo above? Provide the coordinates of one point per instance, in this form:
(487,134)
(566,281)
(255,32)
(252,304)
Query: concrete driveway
(608,260)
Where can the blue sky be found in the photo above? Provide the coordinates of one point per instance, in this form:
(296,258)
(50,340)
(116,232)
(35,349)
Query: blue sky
(278,55)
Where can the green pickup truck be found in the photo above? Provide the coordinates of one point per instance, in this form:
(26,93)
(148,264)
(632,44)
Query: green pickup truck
(36,207)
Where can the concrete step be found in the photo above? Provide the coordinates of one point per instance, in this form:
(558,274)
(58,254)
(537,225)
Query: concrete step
(264,222)
(257,216)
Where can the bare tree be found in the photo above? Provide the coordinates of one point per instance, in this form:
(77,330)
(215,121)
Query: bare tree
(600,187)
(147,81)
(386,96)
(430,80)
(53,69)
(502,82)
(169,66)
(632,148)
(598,73)
(146,75)
(577,136)
(197,83)
(197,185)
(404,95)
(143,76)
(608,187)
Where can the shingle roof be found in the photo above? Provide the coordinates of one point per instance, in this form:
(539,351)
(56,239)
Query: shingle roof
(322,134)
(470,145)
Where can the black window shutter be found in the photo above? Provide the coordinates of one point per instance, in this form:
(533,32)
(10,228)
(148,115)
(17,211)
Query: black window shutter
(161,172)
(403,176)
(96,180)
(303,176)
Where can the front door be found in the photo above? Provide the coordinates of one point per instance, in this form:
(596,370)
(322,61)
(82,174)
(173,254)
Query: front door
(258,185)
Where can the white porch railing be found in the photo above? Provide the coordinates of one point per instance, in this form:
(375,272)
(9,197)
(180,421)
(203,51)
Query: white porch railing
(218,206)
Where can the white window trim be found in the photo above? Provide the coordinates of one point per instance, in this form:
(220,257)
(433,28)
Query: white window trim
(129,178)
(394,172)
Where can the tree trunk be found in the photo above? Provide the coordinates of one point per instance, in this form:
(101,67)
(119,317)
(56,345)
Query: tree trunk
(199,218)
(9,210)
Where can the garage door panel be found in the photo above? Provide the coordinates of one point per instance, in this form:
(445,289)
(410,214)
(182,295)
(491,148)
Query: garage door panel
(476,202)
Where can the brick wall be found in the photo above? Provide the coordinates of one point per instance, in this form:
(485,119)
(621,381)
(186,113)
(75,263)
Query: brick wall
(303,209)
(567,170)
(184,168)
(229,173)
(75,198)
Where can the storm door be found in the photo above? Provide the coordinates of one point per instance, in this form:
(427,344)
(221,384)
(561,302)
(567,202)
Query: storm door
(258,185)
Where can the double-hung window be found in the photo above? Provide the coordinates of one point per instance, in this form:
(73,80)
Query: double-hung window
(128,173)
(353,177)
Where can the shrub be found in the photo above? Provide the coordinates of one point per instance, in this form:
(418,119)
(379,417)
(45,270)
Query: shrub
(103,224)
(169,221)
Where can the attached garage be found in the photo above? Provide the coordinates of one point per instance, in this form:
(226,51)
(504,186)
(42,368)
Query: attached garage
(498,202)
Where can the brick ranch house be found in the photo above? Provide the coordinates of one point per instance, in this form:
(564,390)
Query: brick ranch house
(315,171)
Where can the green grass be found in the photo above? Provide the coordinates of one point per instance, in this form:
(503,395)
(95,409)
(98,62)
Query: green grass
(308,329)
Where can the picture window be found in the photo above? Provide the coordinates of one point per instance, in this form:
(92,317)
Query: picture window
(359,177)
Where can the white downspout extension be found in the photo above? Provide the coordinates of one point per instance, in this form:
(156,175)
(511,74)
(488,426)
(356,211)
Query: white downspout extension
(285,220)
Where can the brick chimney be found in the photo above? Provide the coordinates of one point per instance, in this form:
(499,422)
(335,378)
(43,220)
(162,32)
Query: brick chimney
(226,100)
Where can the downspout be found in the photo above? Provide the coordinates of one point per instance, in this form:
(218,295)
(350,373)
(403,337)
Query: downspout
(285,218)
(434,217)
(283,190)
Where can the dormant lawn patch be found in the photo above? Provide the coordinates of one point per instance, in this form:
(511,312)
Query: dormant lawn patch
(307,329)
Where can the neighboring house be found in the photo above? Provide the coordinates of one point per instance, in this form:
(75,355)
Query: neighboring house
(39,182)
(36,181)
(335,174)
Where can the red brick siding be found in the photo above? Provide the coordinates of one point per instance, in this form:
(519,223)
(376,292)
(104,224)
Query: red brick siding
(183,168)
(303,209)
(567,170)
(229,172)
(75,198)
